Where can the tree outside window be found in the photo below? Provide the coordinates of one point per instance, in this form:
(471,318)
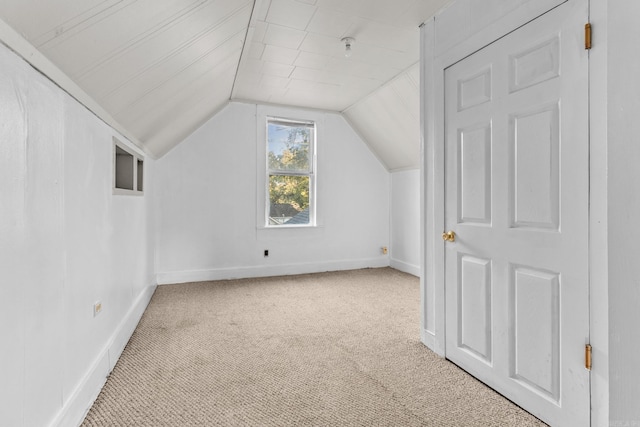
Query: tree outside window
(290,149)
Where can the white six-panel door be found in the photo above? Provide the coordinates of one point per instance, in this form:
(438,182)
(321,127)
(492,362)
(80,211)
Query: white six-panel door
(516,195)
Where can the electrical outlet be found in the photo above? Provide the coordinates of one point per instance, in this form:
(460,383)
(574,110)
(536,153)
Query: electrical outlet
(97,308)
(266,253)
(384,250)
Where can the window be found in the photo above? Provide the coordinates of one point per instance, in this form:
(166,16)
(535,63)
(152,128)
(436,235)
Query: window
(290,172)
(128,170)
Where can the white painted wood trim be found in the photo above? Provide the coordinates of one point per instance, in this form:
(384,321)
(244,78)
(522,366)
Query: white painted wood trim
(404,169)
(405,267)
(75,408)
(473,35)
(263,113)
(136,157)
(423,186)
(173,277)
(432,217)
(598,215)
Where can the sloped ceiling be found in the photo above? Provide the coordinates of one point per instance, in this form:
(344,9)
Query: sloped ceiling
(389,120)
(161,68)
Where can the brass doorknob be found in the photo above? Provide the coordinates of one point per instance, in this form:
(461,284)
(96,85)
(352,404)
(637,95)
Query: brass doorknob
(449,236)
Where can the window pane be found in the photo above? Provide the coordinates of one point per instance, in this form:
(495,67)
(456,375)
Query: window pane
(124,169)
(289,199)
(288,147)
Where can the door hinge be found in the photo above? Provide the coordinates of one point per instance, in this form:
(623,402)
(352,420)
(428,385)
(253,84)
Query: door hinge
(587,357)
(587,36)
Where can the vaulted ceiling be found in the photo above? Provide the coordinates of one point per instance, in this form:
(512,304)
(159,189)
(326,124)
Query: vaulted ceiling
(161,68)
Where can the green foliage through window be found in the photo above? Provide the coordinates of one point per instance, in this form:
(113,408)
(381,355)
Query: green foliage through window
(290,169)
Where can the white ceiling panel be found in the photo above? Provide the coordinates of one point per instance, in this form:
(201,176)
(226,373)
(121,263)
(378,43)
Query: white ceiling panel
(106,36)
(323,45)
(389,121)
(255,50)
(386,36)
(275,69)
(281,55)
(312,60)
(184,65)
(259,30)
(160,113)
(356,68)
(317,76)
(274,82)
(348,8)
(330,23)
(39,21)
(162,67)
(407,87)
(290,13)
(382,10)
(167,83)
(277,35)
(252,67)
(260,10)
(416,14)
(144,59)
(381,51)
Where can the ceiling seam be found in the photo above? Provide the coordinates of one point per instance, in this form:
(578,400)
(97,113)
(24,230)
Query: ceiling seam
(171,77)
(244,46)
(157,106)
(45,40)
(173,53)
(130,45)
(388,82)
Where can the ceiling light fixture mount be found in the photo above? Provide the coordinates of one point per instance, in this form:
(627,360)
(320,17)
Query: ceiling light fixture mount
(348,42)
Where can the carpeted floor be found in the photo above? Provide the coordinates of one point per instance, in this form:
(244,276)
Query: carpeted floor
(331,349)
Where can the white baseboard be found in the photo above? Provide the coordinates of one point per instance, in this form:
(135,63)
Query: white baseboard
(405,267)
(171,277)
(79,402)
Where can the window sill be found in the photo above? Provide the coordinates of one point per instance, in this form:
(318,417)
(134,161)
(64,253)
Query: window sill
(126,192)
(292,226)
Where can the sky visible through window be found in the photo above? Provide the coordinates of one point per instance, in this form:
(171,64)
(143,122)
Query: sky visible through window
(278,136)
(289,161)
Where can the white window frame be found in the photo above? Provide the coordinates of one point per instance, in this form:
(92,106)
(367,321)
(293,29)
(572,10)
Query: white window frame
(311,173)
(137,170)
(263,114)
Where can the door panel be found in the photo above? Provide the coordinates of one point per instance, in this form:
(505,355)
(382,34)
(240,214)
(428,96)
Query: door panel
(534,178)
(516,195)
(474,164)
(536,330)
(474,309)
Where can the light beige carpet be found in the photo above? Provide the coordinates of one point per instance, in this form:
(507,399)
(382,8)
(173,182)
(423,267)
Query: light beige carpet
(331,349)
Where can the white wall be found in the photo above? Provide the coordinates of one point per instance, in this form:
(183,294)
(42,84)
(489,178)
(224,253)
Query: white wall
(405,221)
(207,207)
(65,243)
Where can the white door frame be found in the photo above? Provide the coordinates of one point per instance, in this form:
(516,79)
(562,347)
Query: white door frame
(437,54)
